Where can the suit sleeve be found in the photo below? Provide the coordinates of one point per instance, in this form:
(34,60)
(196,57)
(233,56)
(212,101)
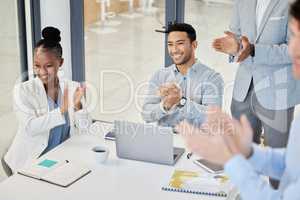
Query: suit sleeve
(152,109)
(212,94)
(247,179)
(274,54)
(267,161)
(235,25)
(28,116)
(235,20)
(82,118)
(249,182)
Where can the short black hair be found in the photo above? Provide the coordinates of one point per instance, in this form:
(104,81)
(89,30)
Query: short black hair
(50,41)
(295,10)
(183,27)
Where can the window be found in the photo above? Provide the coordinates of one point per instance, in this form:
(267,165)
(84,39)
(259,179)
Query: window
(211,18)
(122,53)
(10,72)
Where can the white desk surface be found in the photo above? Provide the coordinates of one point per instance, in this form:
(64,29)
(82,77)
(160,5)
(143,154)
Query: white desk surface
(115,179)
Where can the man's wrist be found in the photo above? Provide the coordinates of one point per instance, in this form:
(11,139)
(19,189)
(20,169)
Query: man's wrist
(238,48)
(250,153)
(166,108)
(62,110)
(163,107)
(252,50)
(167,111)
(181,102)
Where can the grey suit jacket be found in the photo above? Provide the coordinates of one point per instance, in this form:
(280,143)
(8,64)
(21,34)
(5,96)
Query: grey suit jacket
(271,68)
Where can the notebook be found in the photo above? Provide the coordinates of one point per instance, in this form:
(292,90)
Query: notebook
(199,183)
(61,173)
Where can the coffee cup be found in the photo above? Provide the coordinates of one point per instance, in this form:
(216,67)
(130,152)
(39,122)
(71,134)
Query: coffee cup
(100,153)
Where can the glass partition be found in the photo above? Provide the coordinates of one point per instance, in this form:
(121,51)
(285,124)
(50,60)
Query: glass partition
(211,18)
(122,52)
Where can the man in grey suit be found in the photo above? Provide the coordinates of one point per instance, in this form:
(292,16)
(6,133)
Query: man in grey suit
(264,88)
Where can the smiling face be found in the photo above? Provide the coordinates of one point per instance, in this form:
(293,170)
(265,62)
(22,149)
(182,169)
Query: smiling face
(294,47)
(180,47)
(46,65)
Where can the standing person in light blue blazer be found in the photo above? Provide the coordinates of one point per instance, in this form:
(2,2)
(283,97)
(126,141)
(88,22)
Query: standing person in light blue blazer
(264,88)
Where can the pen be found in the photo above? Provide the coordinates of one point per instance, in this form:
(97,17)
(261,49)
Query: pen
(189,155)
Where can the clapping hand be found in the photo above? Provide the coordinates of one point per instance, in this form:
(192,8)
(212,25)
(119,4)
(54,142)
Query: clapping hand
(228,44)
(246,50)
(170,94)
(79,93)
(65,101)
(220,138)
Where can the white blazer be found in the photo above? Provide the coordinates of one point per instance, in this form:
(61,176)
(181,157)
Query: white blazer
(36,121)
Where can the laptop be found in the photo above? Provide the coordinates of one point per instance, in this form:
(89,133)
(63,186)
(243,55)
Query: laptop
(146,142)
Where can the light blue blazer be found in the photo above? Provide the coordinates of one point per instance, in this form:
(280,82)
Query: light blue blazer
(271,68)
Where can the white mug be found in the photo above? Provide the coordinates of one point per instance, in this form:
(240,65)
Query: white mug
(100,153)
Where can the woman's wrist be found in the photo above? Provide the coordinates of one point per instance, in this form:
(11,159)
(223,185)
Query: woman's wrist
(77,106)
(62,110)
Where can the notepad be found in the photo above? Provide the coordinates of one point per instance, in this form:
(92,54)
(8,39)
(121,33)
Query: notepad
(199,183)
(58,172)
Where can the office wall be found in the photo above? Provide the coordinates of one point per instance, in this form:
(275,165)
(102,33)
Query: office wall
(57,13)
(10,72)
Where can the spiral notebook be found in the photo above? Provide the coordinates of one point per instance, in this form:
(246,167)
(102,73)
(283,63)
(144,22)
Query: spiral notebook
(199,183)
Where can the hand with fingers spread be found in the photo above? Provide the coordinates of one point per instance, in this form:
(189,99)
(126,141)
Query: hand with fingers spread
(239,136)
(228,44)
(220,138)
(65,101)
(204,143)
(79,93)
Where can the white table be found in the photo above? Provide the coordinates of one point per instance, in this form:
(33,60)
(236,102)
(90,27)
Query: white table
(116,179)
